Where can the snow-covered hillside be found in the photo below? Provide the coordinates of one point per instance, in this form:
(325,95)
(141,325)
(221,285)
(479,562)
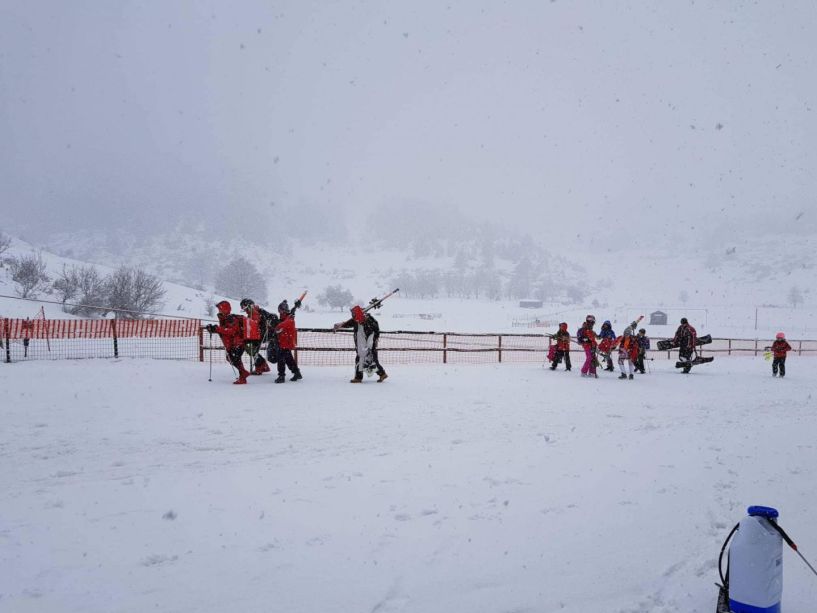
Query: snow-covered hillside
(178,300)
(729,313)
(138,485)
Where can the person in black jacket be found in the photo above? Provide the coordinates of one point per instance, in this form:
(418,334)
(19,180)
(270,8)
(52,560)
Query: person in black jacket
(685,339)
(366,333)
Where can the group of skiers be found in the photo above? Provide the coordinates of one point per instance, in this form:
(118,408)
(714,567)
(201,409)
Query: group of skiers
(631,346)
(249,332)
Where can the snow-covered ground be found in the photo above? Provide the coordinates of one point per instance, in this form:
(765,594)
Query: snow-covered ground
(137,485)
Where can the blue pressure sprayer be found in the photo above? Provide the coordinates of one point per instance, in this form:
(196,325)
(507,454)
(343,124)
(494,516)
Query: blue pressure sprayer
(754,574)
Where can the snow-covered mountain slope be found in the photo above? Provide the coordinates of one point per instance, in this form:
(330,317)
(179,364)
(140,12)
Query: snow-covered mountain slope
(720,298)
(179,300)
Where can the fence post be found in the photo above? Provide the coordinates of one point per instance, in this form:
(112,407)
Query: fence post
(201,344)
(8,340)
(730,347)
(800,347)
(445,348)
(115,340)
(500,347)
(755,347)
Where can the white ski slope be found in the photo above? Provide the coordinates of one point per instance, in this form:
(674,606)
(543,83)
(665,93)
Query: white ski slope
(137,485)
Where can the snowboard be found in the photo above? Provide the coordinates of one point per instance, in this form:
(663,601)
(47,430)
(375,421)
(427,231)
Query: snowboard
(695,362)
(667,344)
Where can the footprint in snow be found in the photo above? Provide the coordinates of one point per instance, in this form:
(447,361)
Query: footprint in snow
(158,559)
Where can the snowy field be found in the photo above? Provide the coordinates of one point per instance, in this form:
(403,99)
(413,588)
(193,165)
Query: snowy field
(131,486)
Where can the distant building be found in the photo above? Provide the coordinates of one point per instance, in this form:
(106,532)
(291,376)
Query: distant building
(530,303)
(658,318)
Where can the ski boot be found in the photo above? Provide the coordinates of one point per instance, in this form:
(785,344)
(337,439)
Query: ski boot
(552,368)
(623,376)
(281,379)
(630,377)
(296,376)
(357,380)
(383,377)
(242,378)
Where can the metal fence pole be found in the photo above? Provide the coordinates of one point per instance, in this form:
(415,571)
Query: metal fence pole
(500,347)
(201,344)
(8,340)
(445,348)
(115,340)
(730,346)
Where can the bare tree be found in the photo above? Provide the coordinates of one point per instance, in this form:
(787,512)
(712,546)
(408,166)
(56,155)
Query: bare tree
(795,296)
(28,273)
(210,305)
(5,243)
(336,297)
(133,292)
(240,279)
(81,284)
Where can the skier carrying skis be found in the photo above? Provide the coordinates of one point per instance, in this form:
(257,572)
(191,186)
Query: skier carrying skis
(627,350)
(643,347)
(561,347)
(287,336)
(366,332)
(254,334)
(685,339)
(607,340)
(587,338)
(779,348)
(231,330)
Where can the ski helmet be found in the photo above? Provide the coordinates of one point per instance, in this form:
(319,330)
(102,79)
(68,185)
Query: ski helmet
(283,307)
(780,336)
(247,302)
(607,323)
(357,314)
(684,320)
(642,331)
(563,325)
(224,307)
(591,319)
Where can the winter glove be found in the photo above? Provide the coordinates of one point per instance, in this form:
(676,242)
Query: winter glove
(297,304)
(210,328)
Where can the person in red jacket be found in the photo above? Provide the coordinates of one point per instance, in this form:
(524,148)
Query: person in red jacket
(779,349)
(628,348)
(231,330)
(254,335)
(561,347)
(287,336)
(587,338)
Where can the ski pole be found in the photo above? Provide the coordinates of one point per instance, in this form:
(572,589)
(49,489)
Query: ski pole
(791,544)
(210,378)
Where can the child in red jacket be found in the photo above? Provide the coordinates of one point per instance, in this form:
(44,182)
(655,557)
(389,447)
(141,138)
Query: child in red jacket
(231,330)
(561,347)
(287,336)
(779,349)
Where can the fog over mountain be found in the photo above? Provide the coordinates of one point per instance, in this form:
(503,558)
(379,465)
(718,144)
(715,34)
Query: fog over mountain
(572,121)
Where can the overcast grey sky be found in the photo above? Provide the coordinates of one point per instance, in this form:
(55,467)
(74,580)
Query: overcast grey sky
(666,116)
